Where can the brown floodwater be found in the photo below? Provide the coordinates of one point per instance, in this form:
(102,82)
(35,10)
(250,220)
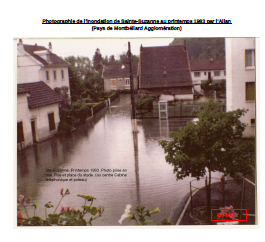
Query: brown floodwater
(106,144)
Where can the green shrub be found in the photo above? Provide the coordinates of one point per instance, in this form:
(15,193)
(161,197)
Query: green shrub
(145,102)
(64,127)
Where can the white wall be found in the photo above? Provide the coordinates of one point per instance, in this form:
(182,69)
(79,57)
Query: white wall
(28,70)
(31,70)
(25,115)
(237,76)
(59,82)
(203,77)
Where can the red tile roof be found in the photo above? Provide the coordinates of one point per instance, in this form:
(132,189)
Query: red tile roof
(116,71)
(164,66)
(40,94)
(21,90)
(54,59)
(207,64)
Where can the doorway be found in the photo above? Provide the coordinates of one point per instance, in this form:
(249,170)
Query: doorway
(209,76)
(33,130)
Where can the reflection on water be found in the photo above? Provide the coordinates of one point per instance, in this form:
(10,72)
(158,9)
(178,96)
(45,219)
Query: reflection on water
(107,143)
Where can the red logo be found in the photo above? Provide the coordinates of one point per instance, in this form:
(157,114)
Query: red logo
(227,214)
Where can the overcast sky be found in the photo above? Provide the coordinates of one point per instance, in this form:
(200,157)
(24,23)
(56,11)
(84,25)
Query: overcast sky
(87,47)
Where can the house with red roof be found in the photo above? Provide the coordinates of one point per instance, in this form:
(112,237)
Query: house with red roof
(117,76)
(207,69)
(165,71)
(39,73)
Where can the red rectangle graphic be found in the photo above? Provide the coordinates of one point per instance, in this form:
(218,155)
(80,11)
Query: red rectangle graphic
(225,214)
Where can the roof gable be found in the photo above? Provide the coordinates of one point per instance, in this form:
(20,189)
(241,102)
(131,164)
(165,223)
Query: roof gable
(207,64)
(164,66)
(40,94)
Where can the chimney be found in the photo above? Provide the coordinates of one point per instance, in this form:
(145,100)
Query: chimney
(20,43)
(50,46)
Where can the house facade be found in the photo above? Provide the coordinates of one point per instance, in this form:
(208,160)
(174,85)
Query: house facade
(240,79)
(42,86)
(207,69)
(165,71)
(37,63)
(117,77)
(37,113)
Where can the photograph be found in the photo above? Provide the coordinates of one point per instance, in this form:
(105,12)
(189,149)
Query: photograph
(136,131)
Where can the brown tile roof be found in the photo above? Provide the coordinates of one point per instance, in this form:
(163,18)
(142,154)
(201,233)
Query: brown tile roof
(116,71)
(54,59)
(40,94)
(21,90)
(164,66)
(207,64)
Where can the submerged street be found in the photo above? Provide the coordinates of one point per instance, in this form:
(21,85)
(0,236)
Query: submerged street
(106,144)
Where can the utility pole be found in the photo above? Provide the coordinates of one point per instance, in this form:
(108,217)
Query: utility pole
(134,121)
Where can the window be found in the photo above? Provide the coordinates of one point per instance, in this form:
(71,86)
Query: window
(217,73)
(20,132)
(54,75)
(205,73)
(252,122)
(62,74)
(113,83)
(250,91)
(47,76)
(127,82)
(51,121)
(224,73)
(249,58)
(197,74)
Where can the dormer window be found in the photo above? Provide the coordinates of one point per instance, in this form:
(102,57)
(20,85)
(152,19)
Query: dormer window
(44,54)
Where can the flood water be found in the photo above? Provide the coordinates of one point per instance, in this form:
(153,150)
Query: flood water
(107,143)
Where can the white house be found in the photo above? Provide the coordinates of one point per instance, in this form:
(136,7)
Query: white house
(207,69)
(240,79)
(37,113)
(37,63)
(42,86)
